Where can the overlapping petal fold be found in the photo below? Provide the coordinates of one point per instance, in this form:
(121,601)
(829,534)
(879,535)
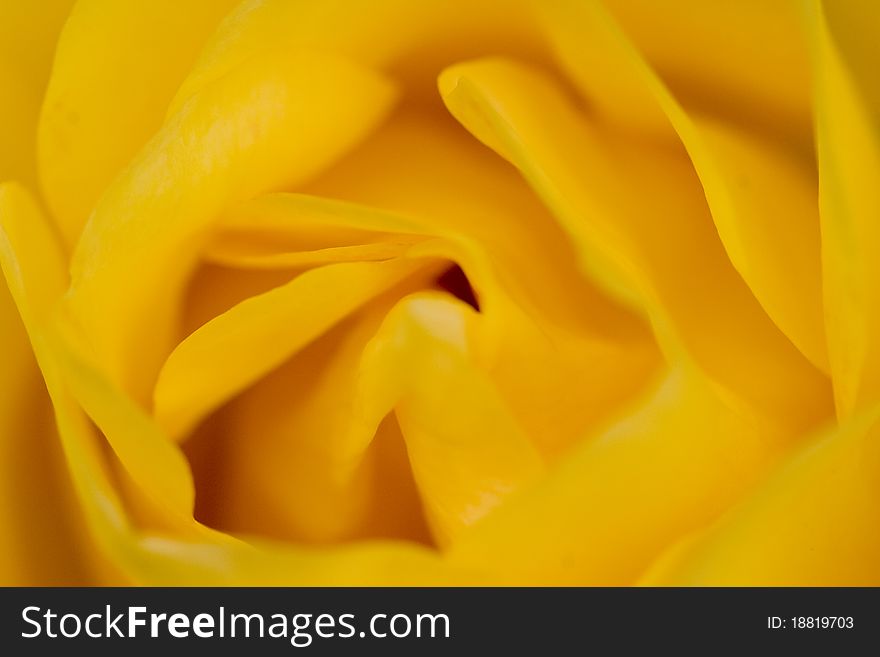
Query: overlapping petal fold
(759,181)
(28,32)
(180,551)
(847,105)
(274,121)
(41,541)
(447,292)
(116,68)
(669,466)
(811,523)
(677,268)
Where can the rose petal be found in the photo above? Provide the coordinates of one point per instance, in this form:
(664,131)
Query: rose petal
(747,59)
(116,68)
(28,32)
(698,304)
(670,466)
(847,101)
(467,452)
(812,523)
(565,357)
(40,541)
(234,349)
(278,119)
(760,187)
(407,40)
(120,552)
(278,460)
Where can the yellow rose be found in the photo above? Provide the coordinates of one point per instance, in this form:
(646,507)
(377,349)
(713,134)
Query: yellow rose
(389,292)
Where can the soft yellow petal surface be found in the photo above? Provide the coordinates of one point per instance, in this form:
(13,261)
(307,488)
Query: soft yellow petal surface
(40,540)
(116,68)
(423,166)
(275,120)
(466,450)
(410,40)
(234,252)
(746,59)
(299,456)
(566,355)
(278,461)
(236,348)
(315,428)
(559,384)
(122,553)
(813,523)
(298,230)
(697,302)
(763,200)
(523,362)
(671,465)
(28,32)
(155,464)
(847,100)
(760,183)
